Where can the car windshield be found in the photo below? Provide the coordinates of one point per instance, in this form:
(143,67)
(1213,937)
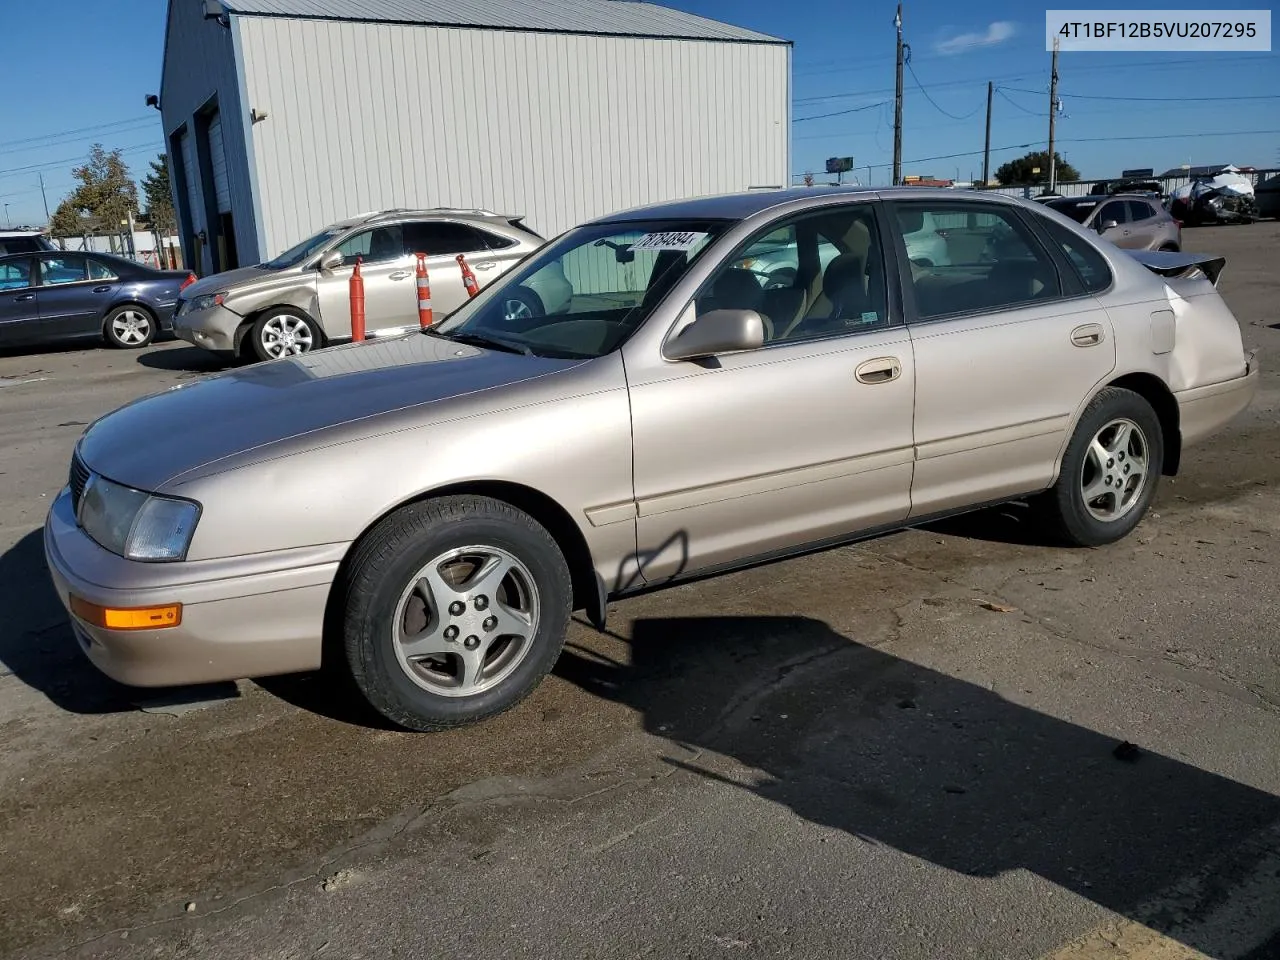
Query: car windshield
(584,293)
(1078,209)
(295,255)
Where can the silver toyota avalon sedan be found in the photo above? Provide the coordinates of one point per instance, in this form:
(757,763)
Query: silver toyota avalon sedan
(424,512)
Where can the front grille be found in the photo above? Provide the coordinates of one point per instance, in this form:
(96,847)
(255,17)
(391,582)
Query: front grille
(78,478)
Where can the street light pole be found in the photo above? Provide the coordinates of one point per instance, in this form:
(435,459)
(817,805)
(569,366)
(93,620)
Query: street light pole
(7,222)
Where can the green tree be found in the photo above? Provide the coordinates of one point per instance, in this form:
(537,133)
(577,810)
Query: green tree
(1018,173)
(155,188)
(105,196)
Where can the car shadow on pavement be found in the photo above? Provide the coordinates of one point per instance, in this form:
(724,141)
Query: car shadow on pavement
(893,753)
(1011,523)
(185,360)
(39,649)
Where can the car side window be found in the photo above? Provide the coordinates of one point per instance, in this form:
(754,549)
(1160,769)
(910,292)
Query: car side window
(10,245)
(100,271)
(981,258)
(816,275)
(495,241)
(374,246)
(1139,210)
(1115,210)
(1089,263)
(442,238)
(68,268)
(15,274)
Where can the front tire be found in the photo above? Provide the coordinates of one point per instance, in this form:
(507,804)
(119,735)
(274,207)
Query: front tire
(129,327)
(283,333)
(522,304)
(455,609)
(1110,472)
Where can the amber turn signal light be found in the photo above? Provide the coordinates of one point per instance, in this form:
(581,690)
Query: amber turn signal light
(130,618)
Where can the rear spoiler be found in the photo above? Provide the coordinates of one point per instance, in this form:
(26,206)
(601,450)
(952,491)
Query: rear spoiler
(1181,266)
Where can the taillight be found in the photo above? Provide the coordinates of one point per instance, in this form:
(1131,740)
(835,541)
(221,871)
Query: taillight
(191,278)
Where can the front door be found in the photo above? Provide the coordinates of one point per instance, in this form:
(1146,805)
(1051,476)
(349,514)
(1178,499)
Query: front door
(1006,349)
(390,297)
(804,439)
(19,308)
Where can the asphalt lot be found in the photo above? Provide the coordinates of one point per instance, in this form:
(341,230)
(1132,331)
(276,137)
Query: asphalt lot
(900,750)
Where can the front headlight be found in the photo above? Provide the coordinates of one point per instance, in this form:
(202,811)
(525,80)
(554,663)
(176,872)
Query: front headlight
(137,525)
(206,301)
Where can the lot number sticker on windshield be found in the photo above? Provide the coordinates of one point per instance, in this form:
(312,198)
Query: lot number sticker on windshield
(673,240)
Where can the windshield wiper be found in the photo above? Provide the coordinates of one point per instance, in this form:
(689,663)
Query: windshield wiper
(486,340)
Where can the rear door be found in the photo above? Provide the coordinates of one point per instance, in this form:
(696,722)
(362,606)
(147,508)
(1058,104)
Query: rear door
(19,308)
(1007,343)
(1144,224)
(442,241)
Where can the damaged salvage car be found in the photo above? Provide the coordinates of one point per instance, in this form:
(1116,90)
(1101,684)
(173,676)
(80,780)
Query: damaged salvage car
(421,514)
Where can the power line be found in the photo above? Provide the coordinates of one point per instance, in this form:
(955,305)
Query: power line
(840,113)
(1034,143)
(1008,99)
(137,121)
(953,116)
(49,164)
(1082,96)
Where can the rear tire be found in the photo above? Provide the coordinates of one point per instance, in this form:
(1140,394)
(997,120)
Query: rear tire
(129,327)
(522,304)
(432,640)
(1097,498)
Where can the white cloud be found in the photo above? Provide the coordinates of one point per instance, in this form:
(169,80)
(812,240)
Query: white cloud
(995,34)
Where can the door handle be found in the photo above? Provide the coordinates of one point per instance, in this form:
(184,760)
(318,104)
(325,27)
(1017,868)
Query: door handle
(401,275)
(879,370)
(106,289)
(1089,335)
(22,298)
(487,265)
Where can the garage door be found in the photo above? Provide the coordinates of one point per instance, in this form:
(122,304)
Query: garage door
(192,173)
(218,160)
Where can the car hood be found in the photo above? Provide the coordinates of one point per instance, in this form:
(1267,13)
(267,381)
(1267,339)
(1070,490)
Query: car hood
(230,279)
(151,441)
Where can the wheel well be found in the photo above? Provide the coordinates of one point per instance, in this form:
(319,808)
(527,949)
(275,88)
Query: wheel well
(1152,389)
(251,318)
(542,508)
(127,303)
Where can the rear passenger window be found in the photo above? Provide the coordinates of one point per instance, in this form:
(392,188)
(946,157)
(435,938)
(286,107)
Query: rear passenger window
(1140,210)
(442,238)
(100,271)
(1090,264)
(972,258)
(495,241)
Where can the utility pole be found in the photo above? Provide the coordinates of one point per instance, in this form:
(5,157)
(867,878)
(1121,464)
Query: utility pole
(986,150)
(45,198)
(1053,116)
(897,107)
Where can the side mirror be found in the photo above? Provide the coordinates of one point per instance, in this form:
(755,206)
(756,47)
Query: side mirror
(720,331)
(1107,225)
(330,261)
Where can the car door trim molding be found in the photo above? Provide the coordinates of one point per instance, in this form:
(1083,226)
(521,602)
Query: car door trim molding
(966,442)
(770,482)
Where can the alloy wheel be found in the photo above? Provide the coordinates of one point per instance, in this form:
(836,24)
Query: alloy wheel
(286,335)
(1115,470)
(466,621)
(131,327)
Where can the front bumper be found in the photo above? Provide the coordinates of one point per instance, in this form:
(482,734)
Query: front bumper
(258,622)
(212,329)
(1203,411)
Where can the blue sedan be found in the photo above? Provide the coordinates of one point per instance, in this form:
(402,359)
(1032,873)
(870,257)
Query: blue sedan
(54,295)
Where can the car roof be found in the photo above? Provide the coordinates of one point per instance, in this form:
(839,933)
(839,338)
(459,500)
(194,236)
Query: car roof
(739,206)
(425,213)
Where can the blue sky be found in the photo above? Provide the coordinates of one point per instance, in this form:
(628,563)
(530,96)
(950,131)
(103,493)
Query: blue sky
(94,72)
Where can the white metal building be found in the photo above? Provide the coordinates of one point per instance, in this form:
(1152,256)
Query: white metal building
(285,115)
